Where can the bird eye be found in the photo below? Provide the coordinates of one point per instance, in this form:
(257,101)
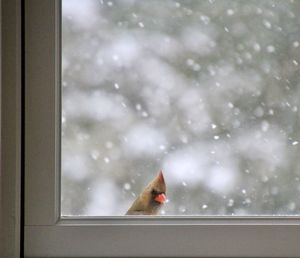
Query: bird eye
(154,192)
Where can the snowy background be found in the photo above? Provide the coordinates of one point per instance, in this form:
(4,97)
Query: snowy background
(208,91)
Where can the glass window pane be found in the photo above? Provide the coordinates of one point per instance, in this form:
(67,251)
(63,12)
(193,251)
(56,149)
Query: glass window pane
(207,91)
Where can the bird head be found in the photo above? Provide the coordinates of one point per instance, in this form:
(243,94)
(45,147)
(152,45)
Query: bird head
(158,189)
(151,198)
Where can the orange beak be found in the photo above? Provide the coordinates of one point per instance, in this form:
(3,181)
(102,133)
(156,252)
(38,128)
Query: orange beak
(161,198)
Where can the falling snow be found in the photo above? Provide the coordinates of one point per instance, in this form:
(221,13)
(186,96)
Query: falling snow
(230,202)
(270,49)
(296,44)
(230,12)
(127,186)
(256,47)
(230,105)
(207,91)
(267,24)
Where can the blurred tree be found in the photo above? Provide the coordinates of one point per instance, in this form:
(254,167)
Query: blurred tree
(206,90)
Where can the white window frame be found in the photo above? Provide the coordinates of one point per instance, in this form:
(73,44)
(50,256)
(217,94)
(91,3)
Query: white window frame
(49,235)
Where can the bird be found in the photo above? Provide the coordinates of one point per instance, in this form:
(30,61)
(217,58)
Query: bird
(151,198)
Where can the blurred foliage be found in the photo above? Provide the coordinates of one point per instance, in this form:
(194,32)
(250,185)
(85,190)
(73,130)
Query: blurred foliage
(208,91)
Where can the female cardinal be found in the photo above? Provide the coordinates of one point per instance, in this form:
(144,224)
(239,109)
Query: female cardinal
(151,199)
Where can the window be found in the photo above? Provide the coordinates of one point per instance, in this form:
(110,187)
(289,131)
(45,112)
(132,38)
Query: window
(47,233)
(205,90)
